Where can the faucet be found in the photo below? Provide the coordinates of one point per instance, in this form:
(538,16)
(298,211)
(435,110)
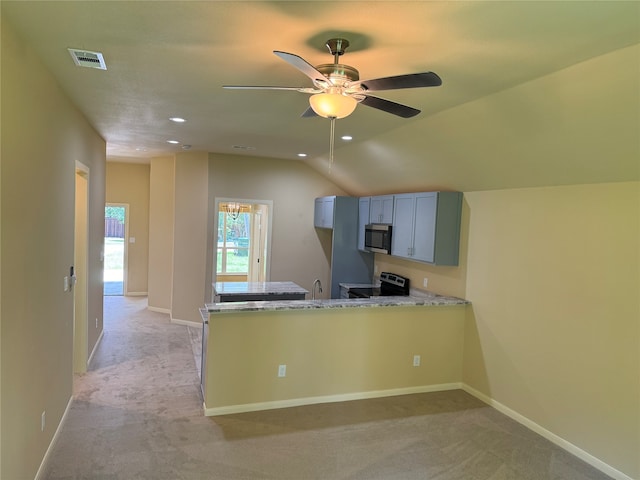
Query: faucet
(318,284)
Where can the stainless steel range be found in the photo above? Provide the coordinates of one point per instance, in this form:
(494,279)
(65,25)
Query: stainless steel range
(390,285)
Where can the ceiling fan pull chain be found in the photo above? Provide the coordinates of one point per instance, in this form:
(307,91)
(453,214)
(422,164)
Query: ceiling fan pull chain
(331,142)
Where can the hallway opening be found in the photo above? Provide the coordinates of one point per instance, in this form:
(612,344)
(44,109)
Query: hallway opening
(115,249)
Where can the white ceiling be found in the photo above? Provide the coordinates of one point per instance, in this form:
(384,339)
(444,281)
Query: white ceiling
(167,58)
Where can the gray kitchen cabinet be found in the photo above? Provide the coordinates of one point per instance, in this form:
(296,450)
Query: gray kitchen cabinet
(323,212)
(348,264)
(426,227)
(363,219)
(381,209)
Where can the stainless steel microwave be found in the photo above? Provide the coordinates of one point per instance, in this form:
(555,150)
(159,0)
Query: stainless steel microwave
(377,238)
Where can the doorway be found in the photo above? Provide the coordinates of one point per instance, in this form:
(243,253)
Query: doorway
(115,248)
(243,232)
(80,260)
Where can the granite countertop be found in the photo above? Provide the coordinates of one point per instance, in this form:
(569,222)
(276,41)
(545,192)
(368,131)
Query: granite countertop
(417,298)
(257,288)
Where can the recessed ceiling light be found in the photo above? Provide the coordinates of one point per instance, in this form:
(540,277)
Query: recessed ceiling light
(347,137)
(177,119)
(173,142)
(302,155)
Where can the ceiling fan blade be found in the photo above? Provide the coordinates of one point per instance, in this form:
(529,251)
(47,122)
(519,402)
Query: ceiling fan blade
(412,80)
(309,113)
(390,107)
(269,87)
(302,65)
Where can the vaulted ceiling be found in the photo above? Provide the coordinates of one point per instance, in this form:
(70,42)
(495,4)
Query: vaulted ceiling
(534,93)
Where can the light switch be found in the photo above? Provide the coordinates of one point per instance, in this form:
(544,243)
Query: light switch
(132,239)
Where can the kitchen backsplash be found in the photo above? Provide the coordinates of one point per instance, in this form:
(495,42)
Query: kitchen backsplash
(442,280)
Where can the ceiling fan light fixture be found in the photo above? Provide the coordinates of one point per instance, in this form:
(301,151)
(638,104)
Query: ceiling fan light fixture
(332,105)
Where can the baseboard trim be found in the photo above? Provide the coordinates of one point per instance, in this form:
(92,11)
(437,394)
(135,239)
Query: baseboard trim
(159,310)
(54,439)
(188,323)
(136,294)
(345,397)
(95,347)
(552,437)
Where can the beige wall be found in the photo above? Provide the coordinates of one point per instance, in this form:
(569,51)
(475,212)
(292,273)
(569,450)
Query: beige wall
(554,329)
(190,236)
(43,136)
(129,183)
(299,252)
(330,352)
(161,224)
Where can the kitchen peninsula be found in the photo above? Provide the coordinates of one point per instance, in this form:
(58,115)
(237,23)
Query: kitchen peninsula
(264,355)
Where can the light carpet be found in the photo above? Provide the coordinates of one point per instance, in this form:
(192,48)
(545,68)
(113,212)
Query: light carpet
(137,414)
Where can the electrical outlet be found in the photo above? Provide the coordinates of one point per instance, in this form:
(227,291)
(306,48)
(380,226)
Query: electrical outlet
(282,370)
(416,360)
(43,421)
(424,282)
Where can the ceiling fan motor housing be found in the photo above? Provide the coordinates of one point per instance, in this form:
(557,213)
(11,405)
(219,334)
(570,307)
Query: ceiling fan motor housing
(339,73)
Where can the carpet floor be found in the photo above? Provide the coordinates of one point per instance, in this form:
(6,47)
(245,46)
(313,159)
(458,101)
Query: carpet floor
(137,414)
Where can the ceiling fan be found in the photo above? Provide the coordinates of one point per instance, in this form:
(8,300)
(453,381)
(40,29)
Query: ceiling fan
(337,88)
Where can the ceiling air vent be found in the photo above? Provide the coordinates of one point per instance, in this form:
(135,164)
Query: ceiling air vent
(83,58)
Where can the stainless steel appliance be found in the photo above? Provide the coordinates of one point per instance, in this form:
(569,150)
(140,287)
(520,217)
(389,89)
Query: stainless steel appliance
(390,285)
(377,237)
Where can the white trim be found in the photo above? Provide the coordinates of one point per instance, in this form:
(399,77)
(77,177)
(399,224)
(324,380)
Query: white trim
(125,255)
(45,458)
(552,437)
(159,310)
(345,397)
(269,234)
(136,294)
(95,347)
(188,323)
(82,167)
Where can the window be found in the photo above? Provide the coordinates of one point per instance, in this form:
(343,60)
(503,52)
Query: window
(234,234)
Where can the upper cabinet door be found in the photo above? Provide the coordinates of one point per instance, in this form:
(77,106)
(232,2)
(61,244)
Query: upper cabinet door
(424,228)
(317,212)
(403,219)
(363,219)
(323,212)
(381,209)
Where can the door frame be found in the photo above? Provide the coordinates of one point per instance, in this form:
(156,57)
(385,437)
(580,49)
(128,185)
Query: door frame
(81,263)
(266,236)
(125,253)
